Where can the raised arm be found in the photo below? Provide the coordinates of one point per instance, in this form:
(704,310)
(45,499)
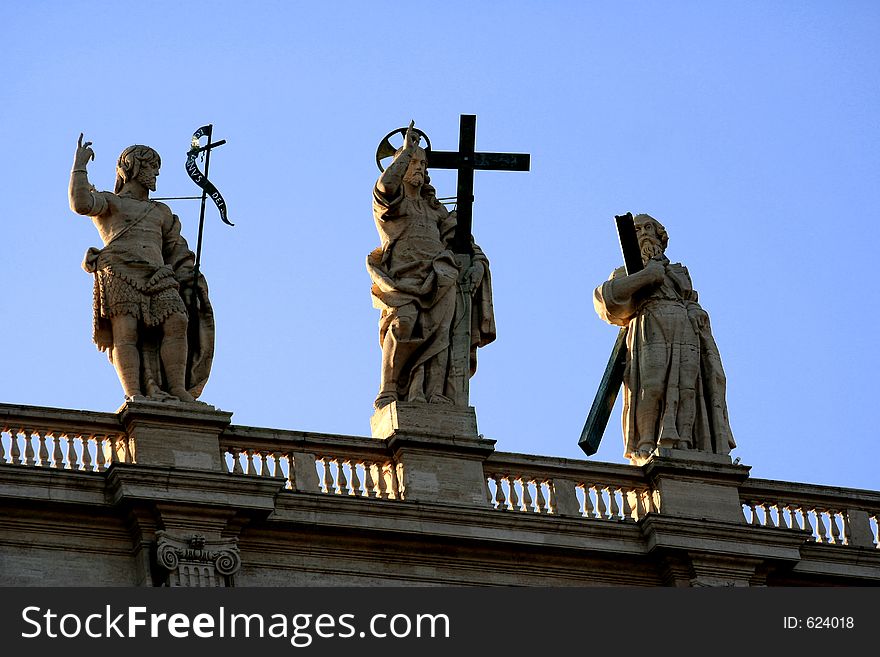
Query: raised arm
(79,192)
(392,178)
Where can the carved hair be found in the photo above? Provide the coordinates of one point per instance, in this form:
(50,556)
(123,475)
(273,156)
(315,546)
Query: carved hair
(129,163)
(661,231)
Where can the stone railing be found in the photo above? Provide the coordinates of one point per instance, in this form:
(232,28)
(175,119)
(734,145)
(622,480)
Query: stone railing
(555,486)
(62,439)
(831,516)
(313,463)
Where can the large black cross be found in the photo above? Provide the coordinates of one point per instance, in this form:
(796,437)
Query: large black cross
(466,161)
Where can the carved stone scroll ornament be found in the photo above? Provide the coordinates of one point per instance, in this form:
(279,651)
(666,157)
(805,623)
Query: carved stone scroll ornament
(196,561)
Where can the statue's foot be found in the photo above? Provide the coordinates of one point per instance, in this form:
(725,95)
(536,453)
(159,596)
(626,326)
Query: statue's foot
(437,398)
(384,399)
(182,395)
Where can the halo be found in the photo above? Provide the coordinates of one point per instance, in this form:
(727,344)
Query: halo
(386,149)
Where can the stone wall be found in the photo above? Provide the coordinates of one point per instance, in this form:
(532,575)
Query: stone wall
(162,495)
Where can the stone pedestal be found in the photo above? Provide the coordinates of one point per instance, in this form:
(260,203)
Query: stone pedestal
(175,434)
(697,485)
(424,419)
(438,451)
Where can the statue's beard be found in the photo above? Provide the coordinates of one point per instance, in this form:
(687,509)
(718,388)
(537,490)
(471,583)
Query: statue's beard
(414,178)
(650,249)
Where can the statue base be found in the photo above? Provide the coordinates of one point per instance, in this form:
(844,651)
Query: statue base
(438,450)
(176,434)
(683,455)
(421,419)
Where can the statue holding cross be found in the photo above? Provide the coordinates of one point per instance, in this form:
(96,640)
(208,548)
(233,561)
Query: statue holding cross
(666,357)
(429,278)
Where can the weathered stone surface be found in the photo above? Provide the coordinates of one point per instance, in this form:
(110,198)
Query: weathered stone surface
(426,419)
(674,384)
(151,316)
(175,434)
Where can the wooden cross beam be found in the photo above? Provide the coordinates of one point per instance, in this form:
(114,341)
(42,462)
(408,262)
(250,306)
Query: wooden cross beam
(612,379)
(466,160)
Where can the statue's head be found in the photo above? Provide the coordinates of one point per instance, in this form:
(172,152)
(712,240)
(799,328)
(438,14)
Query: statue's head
(139,163)
(653,237)
(417,170)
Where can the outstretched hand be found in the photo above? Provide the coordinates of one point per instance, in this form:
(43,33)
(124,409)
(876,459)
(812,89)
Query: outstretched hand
(411,139)
(83,154)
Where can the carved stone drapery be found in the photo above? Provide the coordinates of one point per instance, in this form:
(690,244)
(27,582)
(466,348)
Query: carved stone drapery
(196,561)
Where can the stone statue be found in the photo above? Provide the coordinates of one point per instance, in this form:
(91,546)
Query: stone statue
(674,385)
(144,283)
(416,280)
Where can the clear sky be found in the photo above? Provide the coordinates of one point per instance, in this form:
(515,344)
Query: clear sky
(750,129)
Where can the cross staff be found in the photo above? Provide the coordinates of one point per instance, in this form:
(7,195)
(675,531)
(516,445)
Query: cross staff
(612,379)
(466,161)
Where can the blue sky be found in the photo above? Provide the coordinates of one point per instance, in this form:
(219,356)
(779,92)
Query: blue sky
(750,129)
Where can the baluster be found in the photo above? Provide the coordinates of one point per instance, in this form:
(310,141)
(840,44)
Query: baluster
(488,490)
(100,456)
(540,503)
(14,449)
(651,505)
(2,449)
(821,529)
(72,459)
(251,469)
(835,530)
(87,455)
(499,493)
(395,482)
(754,511)
(768,512)
(327,479)
(278,471)
(551,497)
(341,481)
(808,524)
(236,460)
(42,450)
(126,450)
(642,505)
(615,509)
(369,483)
(600,503)
(264,466)
(28,447)
(355,480)
(780,509)
(512,496)
(291,472)
(57,454)
(795,511)
(113,442)
(380,479)
(627,507)
(527,505)
(588,510)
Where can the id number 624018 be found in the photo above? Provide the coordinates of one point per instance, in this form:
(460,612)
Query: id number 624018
(819,623)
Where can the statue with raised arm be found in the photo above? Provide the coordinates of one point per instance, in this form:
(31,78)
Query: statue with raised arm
(144,288)
(674,384)
(415,283)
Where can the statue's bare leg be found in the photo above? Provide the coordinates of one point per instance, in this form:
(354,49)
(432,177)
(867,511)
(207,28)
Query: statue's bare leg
(174,353)
(399,330)
(126,357)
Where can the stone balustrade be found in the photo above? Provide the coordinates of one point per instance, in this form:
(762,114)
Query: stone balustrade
(552,486)
(829,515)
(62,439)
(313,463)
